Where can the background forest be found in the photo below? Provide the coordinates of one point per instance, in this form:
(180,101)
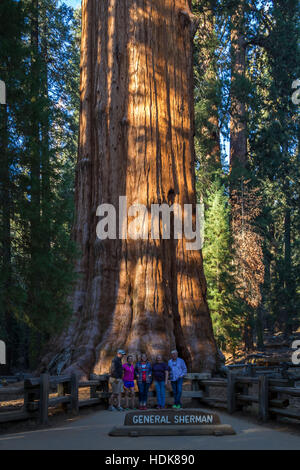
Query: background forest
(246,58)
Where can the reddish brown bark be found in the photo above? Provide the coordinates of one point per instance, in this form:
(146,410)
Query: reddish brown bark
(238,122)
(136,139)
(244,200)
(210,131)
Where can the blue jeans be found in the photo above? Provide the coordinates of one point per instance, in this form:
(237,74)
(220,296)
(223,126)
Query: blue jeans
(177,390)
(160,393)
(143,391)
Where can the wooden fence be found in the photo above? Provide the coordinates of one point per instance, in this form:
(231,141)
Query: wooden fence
(37,395)
(271,394)
(47,391)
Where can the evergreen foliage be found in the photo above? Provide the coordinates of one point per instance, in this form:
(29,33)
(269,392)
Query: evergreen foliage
(39,63)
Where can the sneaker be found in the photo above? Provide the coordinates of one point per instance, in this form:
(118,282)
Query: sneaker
(112,408)
(120,408)
(178,406)
(174,406)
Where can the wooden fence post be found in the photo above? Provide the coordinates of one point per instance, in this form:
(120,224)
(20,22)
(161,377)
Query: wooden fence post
(231,399)
(105,388)
(250,370)
(93,390)
(29,396)
(62,390)
(74,394)
(195,388)
(44,398)
(263,399)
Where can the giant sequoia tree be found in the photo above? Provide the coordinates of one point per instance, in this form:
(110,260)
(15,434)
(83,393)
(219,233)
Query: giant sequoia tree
(136,140)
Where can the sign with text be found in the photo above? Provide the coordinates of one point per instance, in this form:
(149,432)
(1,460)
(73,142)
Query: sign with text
(171,417)
(174,422)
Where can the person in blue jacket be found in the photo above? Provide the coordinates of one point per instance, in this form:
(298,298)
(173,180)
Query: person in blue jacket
(178,370)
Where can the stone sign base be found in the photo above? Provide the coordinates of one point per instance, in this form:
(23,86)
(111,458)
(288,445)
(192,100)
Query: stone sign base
(184,422)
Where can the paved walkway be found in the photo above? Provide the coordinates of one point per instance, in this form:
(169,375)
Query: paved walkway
(91,433)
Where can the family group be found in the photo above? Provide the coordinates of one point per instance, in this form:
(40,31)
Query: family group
(123,376)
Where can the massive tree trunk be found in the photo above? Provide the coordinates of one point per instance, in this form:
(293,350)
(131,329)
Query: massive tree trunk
(136,140)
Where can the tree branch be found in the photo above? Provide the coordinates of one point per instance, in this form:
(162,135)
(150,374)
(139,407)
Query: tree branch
(188,19)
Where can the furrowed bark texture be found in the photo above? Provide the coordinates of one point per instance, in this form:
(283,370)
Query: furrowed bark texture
(209,67)
(136,140)
(238,121)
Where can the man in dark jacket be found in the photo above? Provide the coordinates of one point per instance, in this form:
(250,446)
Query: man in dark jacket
(116,382)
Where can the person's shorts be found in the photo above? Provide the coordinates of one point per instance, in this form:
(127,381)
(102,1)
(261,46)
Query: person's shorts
(116,385)
(128,384)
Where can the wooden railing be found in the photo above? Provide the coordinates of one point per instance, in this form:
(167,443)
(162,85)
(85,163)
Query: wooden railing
(37,395)
(47,391)
(268,394)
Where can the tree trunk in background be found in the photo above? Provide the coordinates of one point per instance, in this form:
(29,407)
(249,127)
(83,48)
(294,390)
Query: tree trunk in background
(5,236)
(34,152)
(209,66)
(238,123)
(136,139)
(289,308)
(34,138)
(241,219)
(45,163)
